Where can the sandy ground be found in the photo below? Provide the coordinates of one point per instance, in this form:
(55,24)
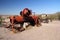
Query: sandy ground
(50,31)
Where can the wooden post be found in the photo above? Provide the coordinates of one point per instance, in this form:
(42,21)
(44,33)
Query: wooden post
(36,21)
(12,23)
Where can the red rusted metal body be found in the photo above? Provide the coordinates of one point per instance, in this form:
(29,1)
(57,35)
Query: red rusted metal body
(25,15)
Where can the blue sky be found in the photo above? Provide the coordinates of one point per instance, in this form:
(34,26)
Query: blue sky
(13,7)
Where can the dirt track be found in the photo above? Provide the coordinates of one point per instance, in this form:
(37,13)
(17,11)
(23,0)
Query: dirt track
(50,31)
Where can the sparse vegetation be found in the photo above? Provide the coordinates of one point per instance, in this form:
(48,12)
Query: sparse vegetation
(0,20)
(55,16)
